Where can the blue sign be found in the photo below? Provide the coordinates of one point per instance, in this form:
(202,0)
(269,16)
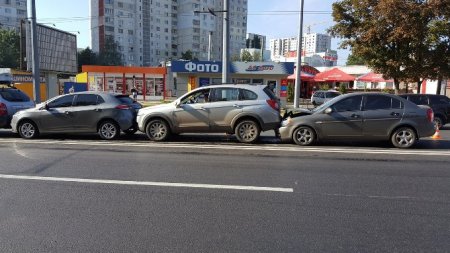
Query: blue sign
(196,66)
(202,81)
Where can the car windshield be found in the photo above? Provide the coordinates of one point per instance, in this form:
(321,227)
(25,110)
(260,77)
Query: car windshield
(13,95)
(325,105)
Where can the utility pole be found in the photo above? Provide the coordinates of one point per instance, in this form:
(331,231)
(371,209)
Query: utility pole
(298,81)
(35,56)
(225,53)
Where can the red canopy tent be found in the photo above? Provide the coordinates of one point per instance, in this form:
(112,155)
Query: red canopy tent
(373,77)
(303,75)
(334,75)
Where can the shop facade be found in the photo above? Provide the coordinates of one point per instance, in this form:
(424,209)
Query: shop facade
(150,82)
(192,74)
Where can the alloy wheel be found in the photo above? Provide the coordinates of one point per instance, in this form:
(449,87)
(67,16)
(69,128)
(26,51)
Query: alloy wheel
(27,130)
(304,136)
(108,130)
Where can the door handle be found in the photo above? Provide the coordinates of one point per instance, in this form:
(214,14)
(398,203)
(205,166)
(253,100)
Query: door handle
(237,106)
(395,114)
(203,108)
(66,112)
(97,110)
(355,116)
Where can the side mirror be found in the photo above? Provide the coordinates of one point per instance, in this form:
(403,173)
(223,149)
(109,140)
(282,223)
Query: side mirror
(177,103)
(328,110)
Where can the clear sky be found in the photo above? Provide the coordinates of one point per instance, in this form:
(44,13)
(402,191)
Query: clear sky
(273,18)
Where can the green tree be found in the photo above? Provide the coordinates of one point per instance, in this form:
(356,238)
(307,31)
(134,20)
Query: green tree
(355,60)
(86,57)
(110,55)
(9,49)
(187,55)
(256,56)
(401,39)
(235,57)
(246,56)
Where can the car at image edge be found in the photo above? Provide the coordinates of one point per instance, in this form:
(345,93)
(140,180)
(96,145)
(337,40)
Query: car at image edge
(12,100)
(242,109)
(361,116)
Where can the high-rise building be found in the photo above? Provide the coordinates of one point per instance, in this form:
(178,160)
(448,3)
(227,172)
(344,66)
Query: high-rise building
(11,13)
(149,32)
(312,43)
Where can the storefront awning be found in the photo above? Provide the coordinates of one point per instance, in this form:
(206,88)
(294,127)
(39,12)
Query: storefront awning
(303,75)
(334,75)
(373,77)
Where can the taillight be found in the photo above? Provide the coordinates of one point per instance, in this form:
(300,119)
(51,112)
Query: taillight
(430,115)
(3,109)
(123,107)
(273,103)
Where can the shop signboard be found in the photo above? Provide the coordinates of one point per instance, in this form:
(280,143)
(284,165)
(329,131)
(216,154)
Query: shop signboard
(196,66)
(203,81)
(259,68)
(283,88)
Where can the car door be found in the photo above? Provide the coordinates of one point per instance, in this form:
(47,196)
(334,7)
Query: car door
(224,106)
(381,113)
(190,115)
(344,120)
(57,117)
(86,112)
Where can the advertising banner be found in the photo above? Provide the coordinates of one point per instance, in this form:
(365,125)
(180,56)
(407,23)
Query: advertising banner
(260,68)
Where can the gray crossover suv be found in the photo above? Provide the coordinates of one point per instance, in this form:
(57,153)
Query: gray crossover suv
(242,109)
(83,112)
(361,116)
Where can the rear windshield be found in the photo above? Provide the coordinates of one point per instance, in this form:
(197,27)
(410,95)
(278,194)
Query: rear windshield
(333,94)
(270,93)
(13,95)
(125,99)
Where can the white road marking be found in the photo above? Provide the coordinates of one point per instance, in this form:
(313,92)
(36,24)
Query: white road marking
(148,183)
(266,147)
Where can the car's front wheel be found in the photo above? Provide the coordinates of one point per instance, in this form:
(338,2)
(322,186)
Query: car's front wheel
(403,137)
(247,131)
(438,122)
(28,130)
(157,130)
(108,130)
(304,136)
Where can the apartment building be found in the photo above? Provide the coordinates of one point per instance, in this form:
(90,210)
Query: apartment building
(153,31)
(11,13)
(312,43)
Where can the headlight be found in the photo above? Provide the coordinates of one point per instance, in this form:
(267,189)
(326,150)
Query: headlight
(286,122)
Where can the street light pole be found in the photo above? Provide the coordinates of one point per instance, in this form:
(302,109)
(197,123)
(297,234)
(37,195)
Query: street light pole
(35,55)
(298,81)
(225,53)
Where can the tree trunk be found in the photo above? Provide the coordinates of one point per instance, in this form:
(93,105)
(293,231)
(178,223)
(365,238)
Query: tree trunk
(439,86)
(396,85)
(419,86)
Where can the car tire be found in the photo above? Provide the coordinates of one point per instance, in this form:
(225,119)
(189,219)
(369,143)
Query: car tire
(403,137)
(247,131)
(108,130)
(28,130)
(438,122)
(304,136)
(157,130)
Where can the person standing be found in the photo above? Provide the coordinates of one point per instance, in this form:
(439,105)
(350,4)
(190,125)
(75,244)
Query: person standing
(134,92)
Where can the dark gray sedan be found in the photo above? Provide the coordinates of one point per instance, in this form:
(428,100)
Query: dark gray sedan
(83,112)
(361,116)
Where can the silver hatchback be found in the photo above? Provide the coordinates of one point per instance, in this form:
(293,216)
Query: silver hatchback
(361,116)
(242,109)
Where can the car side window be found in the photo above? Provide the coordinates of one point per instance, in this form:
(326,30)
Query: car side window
(247,95)
(224,94)
(438,100)
(65,101)
(201,96)
(376,102)
(419,100)
(86,100)
(348,104)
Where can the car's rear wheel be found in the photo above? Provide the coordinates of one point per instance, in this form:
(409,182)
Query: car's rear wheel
(157,130)
(28,130)
(403,137)
(438,122)
(108,130)
(247,131)
(304,136)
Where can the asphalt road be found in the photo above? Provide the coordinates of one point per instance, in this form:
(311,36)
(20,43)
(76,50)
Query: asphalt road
(212,194)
